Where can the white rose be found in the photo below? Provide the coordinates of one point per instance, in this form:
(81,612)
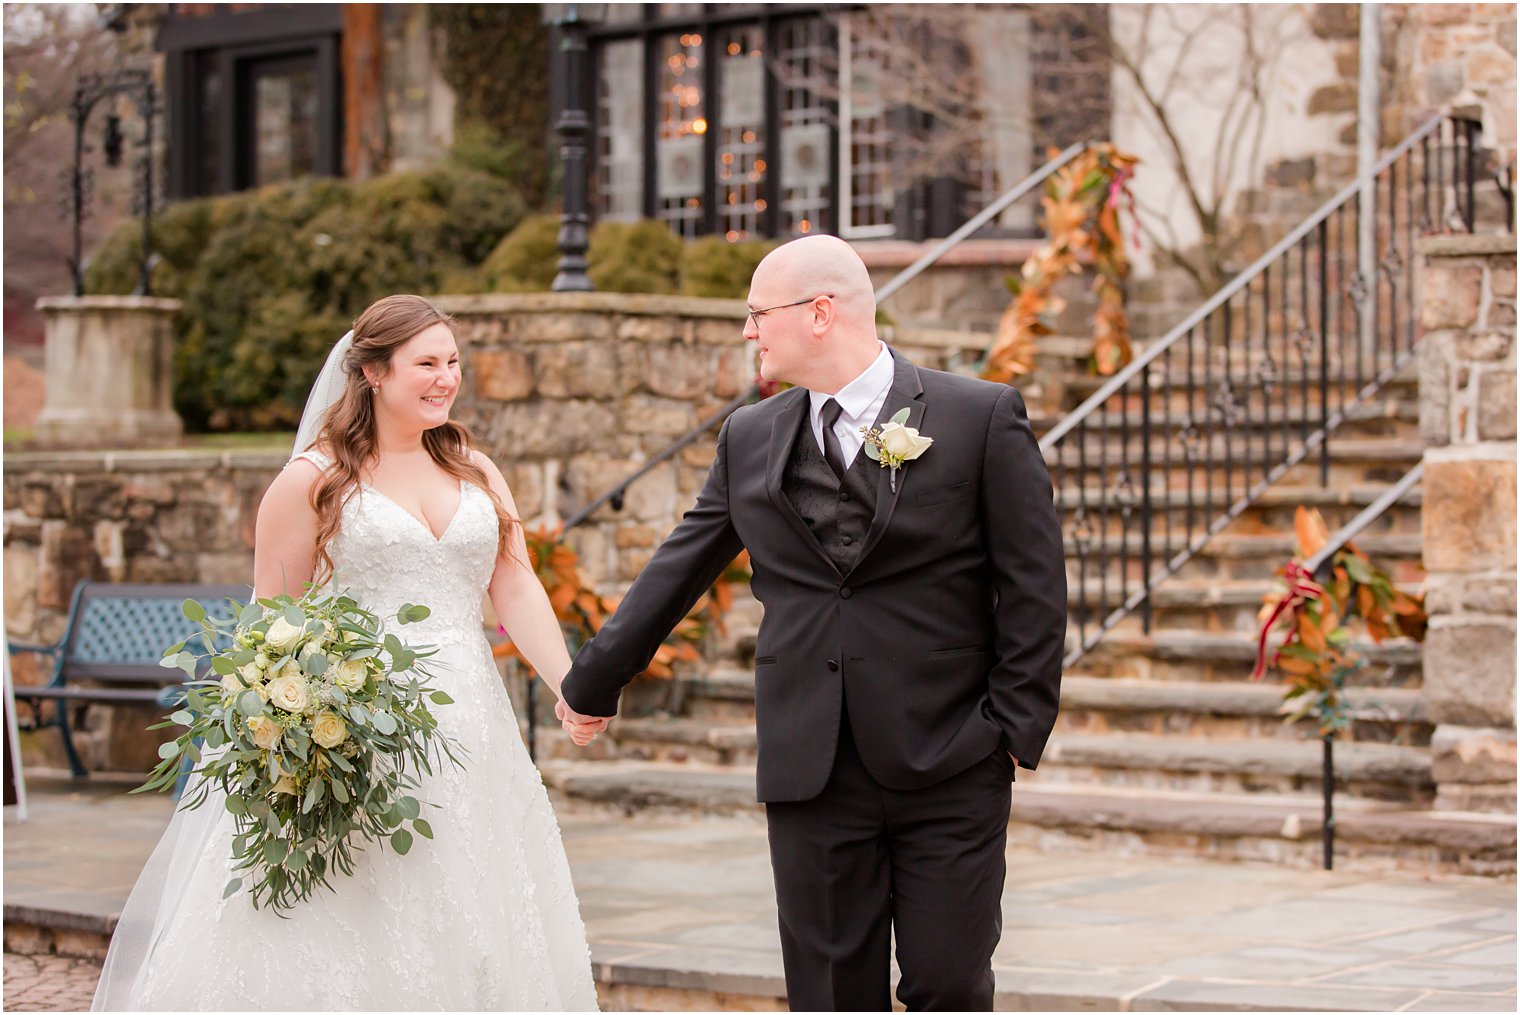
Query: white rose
(232,685)
(264,731)
(328,730)
(903,442)
(250,674)
(350,674)
(261,661)
(290,692)
(282,635)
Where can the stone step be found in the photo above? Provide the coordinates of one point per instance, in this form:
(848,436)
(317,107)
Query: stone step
(1205,713)
(1080,385)
(1228,557)
(724,702)
(1200,657)
(1284,764)
(1279,767)
(1209,607)
(1270,513)
(1227,464)
(1224,826)
(1394,416)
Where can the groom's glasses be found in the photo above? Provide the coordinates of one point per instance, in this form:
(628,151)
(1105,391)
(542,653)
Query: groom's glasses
(754,315)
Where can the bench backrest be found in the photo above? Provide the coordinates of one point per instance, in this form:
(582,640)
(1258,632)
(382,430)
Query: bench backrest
(119,632)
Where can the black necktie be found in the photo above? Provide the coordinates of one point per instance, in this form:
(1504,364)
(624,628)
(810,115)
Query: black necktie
(832,452)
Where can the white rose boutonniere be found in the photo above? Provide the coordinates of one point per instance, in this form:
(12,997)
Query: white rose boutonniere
(895,444)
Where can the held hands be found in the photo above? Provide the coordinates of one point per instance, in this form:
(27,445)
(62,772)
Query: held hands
(582,728)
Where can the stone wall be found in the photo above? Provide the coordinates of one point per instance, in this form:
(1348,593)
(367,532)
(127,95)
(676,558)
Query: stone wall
(127,516)
(1467,417)
(569,394)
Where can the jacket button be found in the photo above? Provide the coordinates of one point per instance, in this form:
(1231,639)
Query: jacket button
(846,540)
(843,495)
(845,592)
(834,665)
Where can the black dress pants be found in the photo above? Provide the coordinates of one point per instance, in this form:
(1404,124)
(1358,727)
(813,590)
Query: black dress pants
(859,861)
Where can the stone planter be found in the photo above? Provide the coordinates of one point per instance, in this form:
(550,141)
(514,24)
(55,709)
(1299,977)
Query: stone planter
(109,371)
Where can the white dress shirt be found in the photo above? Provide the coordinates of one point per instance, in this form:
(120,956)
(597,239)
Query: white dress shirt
(860,402)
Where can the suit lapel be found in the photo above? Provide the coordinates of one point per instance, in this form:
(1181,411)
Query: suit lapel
(784,431)
(906,391)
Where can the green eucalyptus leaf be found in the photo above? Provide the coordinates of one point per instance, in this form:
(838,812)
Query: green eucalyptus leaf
(440,698)
(193,610)
(401,841)
(900,417)
(232,888)
(222,666)
(423,828)
(168,750)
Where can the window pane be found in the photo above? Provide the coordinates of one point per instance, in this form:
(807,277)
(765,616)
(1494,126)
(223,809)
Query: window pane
(802,65)
(741,132)
(867,134)
(619,131)
(679,132)
(209,134)
(285,122)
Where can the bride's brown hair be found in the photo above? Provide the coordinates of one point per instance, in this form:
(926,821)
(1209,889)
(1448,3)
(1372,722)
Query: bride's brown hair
(348,431)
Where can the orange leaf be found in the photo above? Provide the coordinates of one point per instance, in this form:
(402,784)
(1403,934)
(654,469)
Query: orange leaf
(1312,532)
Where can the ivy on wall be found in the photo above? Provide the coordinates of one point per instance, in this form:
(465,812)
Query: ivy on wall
(496,59)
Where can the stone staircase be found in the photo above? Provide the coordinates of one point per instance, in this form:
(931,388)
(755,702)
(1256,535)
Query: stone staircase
(1163,745)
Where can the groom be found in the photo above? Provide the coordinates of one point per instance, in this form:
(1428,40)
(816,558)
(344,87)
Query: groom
(910,652)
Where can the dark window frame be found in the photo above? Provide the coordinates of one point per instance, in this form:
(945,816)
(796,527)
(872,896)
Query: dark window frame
(233,44)
(713,17)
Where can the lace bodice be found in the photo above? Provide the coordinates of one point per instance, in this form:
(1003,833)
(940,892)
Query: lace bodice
(385,556)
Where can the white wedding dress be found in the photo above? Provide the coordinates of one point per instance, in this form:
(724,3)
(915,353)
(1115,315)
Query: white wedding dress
(482,917)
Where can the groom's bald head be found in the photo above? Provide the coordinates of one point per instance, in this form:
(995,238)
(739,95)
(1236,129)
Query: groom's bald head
(821,264)
(822,343)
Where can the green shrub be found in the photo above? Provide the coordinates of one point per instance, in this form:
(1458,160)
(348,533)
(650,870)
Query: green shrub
(635,257)
(271,278)
(622,257)
(712,266)
(523,262)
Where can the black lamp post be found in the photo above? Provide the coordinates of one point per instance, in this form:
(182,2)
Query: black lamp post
(574,126)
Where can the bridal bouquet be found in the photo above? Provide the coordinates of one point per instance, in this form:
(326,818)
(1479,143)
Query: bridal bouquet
(316,722)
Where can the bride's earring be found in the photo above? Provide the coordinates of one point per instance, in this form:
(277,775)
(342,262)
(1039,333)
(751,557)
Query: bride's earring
(374,389)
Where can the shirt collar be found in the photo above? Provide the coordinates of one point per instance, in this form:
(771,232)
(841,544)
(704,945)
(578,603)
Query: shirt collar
(856,397)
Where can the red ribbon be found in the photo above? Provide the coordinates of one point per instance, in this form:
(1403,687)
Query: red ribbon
(1301,588)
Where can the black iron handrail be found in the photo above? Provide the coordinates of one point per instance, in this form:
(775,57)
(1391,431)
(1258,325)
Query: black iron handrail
(1251,383)
(1346,533)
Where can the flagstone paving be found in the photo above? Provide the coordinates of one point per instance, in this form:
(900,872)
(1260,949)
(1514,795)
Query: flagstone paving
(681,915)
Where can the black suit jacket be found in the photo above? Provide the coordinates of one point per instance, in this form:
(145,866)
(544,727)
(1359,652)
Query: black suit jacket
(944,638)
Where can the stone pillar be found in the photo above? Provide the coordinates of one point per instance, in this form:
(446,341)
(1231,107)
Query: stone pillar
(1467,417)
(110,363)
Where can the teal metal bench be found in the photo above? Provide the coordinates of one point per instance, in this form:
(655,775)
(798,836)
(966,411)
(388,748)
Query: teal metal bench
(112,641)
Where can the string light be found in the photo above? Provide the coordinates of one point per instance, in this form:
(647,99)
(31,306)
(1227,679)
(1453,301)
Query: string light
(699,126)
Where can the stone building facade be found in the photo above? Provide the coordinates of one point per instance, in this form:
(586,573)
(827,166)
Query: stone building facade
(1467,397)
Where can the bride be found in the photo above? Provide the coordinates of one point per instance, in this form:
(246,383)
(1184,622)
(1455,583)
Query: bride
(385,498)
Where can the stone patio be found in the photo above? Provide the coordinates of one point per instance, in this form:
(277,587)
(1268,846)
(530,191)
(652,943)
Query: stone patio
(682,917)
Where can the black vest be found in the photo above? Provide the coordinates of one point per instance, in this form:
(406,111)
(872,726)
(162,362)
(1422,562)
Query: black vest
(838,511)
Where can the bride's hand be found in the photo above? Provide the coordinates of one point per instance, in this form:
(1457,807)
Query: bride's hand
(582,728)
